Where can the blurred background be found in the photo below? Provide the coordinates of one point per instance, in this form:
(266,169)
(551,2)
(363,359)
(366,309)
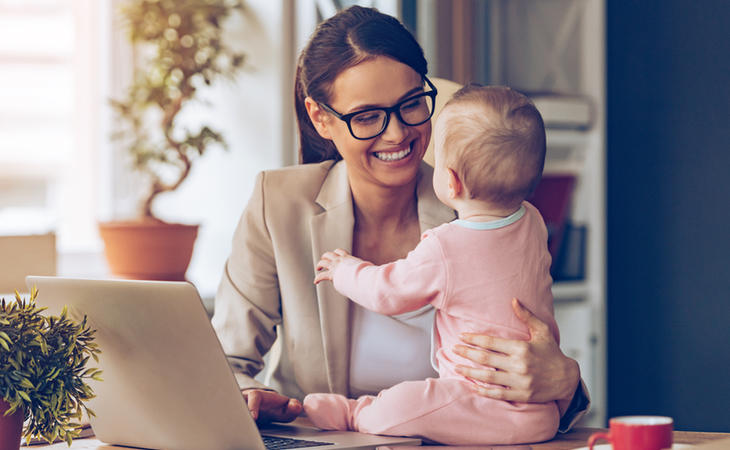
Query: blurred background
(635,95)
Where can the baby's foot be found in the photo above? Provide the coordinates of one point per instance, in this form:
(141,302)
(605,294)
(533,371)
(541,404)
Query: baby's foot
(328,411)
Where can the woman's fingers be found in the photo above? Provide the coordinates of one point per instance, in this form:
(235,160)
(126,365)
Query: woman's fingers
(253,399)
(278,408)
(496,377)
(529,371)
(293,409)
(483,357)
(267,406)
(502,385)
(494,344)
(536,326)
(498,393)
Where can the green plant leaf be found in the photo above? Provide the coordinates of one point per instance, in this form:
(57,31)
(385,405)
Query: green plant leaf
(40,371)
(13,407)
(13,363)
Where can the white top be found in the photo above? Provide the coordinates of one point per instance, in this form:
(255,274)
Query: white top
(388,350)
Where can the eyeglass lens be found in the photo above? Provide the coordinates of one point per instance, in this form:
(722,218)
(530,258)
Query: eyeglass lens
(413,111)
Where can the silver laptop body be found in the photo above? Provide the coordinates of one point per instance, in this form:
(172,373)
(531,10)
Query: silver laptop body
(167,383)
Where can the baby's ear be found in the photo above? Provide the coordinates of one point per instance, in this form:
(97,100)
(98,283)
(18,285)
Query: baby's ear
(456,188)
(318,116)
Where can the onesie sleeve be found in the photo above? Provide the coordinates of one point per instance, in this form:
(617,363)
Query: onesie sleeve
(398,287)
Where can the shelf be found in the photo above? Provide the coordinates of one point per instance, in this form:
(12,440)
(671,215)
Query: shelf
(566,138)
(572,166)
(566,151)
(570,290)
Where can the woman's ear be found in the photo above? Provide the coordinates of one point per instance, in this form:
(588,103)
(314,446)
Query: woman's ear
(456,188)
(318,116)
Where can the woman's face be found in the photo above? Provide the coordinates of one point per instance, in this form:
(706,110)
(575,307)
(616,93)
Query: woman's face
(391,159)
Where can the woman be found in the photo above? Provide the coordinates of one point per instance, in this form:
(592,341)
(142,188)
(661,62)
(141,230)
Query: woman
(363,188)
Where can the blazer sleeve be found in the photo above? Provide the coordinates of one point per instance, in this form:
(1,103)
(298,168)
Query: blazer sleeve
(578,408)
(398,287)
(247,304)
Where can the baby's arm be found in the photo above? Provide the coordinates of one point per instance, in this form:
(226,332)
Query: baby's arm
(329,262)
(393,288)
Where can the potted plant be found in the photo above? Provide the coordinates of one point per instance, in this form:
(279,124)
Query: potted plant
(180,49)
(43,372)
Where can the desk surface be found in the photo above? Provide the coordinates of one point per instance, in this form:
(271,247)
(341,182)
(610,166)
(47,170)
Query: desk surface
(578,438)
(568,441)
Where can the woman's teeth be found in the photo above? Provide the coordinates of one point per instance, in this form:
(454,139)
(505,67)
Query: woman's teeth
(393,156)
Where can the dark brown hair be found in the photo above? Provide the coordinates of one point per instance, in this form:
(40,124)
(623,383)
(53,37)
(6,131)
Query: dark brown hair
(496,145)
(348,38)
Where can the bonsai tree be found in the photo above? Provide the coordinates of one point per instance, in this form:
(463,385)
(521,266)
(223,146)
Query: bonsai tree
(43,368)
(180,49)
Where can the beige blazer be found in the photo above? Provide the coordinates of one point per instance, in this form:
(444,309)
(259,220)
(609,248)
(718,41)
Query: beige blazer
(294,215)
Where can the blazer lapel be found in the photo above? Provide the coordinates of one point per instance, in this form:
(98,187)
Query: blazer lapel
(331,229)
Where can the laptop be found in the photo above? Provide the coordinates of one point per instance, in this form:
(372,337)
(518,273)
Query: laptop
(167,383)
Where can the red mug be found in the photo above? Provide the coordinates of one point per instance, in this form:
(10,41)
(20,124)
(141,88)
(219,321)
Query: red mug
(637,433)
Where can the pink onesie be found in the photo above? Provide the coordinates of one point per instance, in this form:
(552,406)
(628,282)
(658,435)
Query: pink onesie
(469,271)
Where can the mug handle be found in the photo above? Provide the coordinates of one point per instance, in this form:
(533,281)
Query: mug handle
(596,436)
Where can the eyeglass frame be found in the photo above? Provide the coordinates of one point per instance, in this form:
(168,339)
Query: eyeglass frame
(388,111)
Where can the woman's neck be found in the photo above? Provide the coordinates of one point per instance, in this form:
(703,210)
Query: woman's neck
(386,222)
(379,207)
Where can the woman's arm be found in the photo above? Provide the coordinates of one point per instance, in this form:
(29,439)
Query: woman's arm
(247,306)
(247,310)
(534,371)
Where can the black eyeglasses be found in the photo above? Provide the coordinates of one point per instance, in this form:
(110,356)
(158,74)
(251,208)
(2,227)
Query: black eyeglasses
(372,122)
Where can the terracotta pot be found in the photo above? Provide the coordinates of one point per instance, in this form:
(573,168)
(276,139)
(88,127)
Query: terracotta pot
(148,250)
(11,427)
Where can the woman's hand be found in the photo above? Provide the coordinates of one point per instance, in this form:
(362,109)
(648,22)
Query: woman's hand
(269,406)
(534,371)
(327,264)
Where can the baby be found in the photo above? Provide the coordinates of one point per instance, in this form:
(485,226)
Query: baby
(489,154)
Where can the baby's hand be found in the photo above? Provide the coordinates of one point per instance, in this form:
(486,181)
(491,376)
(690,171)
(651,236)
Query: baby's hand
(327,264)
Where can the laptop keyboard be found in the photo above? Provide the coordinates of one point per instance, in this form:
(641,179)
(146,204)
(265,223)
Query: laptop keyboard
(281,443)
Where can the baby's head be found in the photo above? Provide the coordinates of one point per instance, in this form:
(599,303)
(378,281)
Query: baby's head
(493,139)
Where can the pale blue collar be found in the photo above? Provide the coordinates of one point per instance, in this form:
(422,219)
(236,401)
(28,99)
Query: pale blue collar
(492,224)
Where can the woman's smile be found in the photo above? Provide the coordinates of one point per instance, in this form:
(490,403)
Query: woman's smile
(394,155)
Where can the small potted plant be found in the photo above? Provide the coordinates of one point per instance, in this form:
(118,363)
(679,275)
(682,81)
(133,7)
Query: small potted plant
(43,372)
(180,49)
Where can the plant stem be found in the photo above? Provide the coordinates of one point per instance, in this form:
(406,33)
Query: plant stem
(158,186)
